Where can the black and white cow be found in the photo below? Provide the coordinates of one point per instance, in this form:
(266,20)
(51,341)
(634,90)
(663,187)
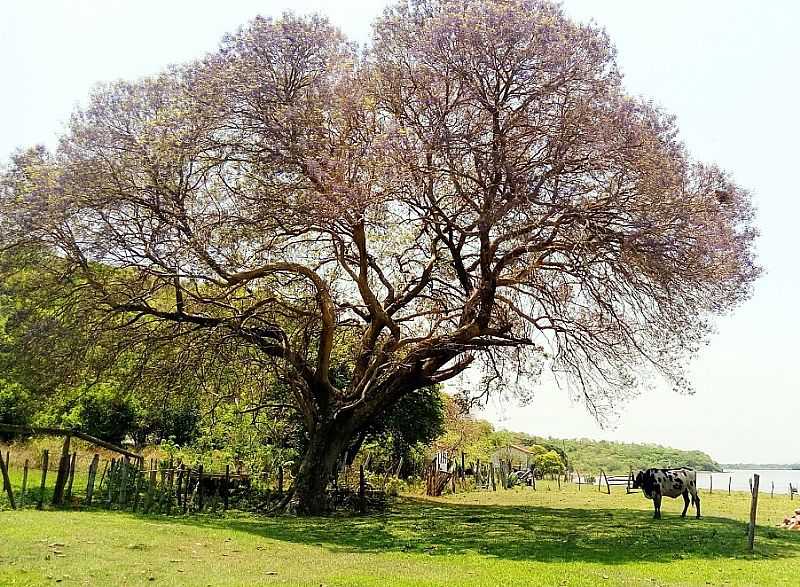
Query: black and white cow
(658,483)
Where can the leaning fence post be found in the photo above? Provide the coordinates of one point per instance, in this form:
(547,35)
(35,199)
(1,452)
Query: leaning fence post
(71,476)
(90,481)
(45,463)
(7,483)
(63,472)
(8,467)
(103,476)
(110,481)
(751,534)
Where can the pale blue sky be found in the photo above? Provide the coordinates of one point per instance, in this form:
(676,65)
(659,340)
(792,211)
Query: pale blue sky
(728,69)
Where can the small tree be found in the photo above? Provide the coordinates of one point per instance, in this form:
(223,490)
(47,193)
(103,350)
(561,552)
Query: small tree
(549,463)
(476,189)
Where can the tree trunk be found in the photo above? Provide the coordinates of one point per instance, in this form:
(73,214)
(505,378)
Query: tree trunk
(325,447)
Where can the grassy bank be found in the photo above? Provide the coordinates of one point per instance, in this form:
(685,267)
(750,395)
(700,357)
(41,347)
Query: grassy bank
(519,537)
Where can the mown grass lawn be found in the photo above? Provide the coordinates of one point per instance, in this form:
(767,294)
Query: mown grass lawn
(518,537)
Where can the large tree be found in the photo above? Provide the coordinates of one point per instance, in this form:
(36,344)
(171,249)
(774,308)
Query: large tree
(475,188)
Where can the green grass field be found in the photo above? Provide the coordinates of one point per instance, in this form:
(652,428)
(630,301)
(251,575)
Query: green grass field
(517,537)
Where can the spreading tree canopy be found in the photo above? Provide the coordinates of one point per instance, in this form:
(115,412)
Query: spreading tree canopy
(473,189)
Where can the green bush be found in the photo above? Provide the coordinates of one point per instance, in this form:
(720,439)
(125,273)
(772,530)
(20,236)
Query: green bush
(16,406)
(177,420)
(102,411)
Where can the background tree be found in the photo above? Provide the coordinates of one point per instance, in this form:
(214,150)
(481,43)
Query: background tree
(475,189)
(549,463)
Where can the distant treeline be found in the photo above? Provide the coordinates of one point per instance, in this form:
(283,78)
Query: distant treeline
(794,466)
(478,439)
(590,456)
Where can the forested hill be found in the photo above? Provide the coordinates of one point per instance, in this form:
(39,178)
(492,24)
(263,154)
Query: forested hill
(479,439)
(590,456)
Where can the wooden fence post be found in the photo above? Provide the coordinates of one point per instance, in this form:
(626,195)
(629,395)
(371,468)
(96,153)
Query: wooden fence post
(163,487)
(45,463)
(179,486)
(227,487)
(200,488)
(24,484)
(90,481)
(729,484)
(63,472)
(7,483)
(491,470)
(123,482)
(187,482)
(71,476)
(112,466)
(751,534)
(8,467)
(772,490)
(151,487)
(711,483)
(138,484)
(362,490)
(103,476)
(170,485)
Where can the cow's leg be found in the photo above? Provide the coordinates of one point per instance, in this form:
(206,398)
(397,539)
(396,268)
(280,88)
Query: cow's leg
(657,505)
(697,504)
(685,502)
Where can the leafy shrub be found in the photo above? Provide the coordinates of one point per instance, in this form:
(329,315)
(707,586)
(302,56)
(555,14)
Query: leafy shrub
(16,406)
(176,419)
(102,411)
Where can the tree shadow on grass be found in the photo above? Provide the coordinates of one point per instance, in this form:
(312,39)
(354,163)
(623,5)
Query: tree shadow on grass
(609,536)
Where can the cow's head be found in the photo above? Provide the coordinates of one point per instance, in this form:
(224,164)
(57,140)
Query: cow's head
(638,481)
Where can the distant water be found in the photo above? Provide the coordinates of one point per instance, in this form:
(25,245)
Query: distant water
(739,479)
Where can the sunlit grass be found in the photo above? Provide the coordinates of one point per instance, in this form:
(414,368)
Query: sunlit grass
(520,537)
